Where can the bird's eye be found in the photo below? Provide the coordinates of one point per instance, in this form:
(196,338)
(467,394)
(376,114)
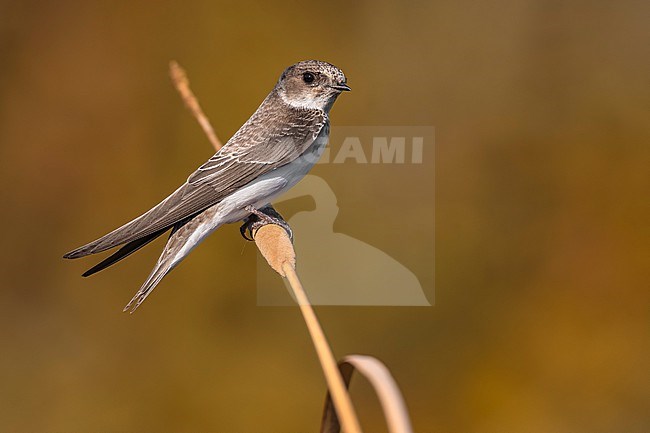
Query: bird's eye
(308,77)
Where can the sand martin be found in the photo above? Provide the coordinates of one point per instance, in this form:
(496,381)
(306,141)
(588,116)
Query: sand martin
(269,154)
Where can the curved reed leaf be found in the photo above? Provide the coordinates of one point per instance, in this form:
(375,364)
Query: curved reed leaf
(385,387)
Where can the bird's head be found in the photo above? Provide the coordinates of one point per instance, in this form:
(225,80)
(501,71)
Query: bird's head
(311,84)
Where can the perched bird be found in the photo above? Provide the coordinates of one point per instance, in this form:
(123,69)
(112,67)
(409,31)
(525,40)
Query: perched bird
(269,154)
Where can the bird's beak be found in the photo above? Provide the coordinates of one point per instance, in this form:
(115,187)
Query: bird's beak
(342,87)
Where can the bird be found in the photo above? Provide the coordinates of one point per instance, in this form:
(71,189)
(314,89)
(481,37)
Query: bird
(271,152)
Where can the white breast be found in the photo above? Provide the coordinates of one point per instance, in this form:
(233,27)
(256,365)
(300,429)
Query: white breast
(266,188)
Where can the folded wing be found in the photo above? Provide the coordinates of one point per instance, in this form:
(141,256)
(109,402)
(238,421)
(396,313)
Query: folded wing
(272,137)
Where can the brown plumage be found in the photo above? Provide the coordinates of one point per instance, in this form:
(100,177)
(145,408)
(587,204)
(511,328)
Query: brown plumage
(259,162)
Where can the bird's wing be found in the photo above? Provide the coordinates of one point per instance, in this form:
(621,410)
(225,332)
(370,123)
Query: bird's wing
(271,138)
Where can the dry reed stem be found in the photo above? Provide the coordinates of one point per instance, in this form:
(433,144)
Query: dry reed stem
(337,388)
(275,245)
(285,267)
(182,84)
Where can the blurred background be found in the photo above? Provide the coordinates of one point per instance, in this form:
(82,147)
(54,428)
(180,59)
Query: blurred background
(541,315)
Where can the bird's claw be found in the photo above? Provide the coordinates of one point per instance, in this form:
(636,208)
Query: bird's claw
(261,217)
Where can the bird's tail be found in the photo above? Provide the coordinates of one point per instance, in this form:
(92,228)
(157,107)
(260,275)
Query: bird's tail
(123,253)
(184,237)
(155,277)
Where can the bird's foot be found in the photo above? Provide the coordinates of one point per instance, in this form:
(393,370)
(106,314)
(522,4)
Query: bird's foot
(260,218)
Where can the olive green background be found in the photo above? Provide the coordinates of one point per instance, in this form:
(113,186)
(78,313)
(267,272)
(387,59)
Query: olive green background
(541,321)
